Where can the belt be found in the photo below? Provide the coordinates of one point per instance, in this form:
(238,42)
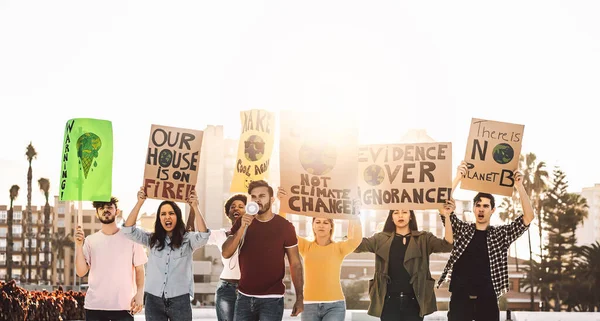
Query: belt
(231,280)
(400,295)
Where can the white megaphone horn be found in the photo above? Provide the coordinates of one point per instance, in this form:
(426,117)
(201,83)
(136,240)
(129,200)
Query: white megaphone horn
(252,208)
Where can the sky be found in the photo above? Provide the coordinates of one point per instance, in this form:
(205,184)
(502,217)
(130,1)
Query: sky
(394,65)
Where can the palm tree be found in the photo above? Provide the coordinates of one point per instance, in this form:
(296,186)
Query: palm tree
(534,180)
(14,192)
(511,211)
(31,154)
(44,184)
(59,242)
(577,209)
(588,268)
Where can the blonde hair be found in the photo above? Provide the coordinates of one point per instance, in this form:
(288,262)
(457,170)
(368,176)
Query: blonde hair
(330,220)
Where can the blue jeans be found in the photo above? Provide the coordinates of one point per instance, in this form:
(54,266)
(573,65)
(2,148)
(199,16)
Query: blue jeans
(248,308)
(163,309)
(225,297)
(332,311)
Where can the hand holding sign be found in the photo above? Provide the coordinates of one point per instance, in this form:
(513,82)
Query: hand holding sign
(141,196)
(462,169)
(79,236)
(281,193)
(518,179)
(193,199)
(356,205)
(448,208)
(461,172)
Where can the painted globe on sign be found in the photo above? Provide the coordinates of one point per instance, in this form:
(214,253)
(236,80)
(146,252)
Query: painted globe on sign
(317,159)
(165,157)
(503,153)
(373,175)
(254,148)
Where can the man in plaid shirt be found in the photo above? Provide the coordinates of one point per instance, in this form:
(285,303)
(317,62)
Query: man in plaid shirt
(478,264)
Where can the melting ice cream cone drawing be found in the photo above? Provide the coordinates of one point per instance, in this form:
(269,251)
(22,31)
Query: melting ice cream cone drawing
(88,146)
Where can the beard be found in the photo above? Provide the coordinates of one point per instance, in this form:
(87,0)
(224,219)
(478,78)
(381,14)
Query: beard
(103,220)
(264,208)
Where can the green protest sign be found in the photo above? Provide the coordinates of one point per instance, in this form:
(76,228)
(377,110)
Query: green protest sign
(87,156)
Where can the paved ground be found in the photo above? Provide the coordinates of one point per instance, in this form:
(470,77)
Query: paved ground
(360,315)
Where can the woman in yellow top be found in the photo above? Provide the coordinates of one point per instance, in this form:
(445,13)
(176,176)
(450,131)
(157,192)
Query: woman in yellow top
(323,296)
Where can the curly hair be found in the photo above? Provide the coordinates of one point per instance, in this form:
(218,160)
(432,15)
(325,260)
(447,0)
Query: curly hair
(101,204)
(237,197)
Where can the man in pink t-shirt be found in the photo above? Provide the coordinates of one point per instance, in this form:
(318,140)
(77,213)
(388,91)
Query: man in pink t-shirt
(116,268)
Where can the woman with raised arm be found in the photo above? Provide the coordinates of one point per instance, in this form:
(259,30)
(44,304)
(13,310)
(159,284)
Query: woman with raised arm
(323,296)
(169,277)
(226,292)
(402,287)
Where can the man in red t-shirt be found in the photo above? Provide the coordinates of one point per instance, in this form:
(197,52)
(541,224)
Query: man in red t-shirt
(263,241)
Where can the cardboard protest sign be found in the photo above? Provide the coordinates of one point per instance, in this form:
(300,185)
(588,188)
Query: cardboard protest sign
(86,167)
(318,165)
(254,150)
(493,151)
(172,162)
(405,176)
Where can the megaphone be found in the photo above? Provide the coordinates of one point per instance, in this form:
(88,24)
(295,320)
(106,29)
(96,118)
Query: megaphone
(252,208)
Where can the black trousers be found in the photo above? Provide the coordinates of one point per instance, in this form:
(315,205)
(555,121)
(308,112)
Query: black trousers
(465,308)
(400,308)
(103,315)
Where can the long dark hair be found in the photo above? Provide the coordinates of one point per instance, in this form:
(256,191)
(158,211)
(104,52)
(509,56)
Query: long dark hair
(391,227)
(158,237)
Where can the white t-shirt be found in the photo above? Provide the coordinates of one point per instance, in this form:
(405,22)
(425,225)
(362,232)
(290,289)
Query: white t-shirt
(231,266)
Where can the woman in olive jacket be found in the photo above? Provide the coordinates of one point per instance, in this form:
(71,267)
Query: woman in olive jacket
(407,287)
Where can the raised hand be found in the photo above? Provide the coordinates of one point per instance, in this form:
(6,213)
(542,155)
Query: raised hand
(518,178)
(448,207)
(192,199)
(141,195)
(356,205)
(462,169)
(281,193)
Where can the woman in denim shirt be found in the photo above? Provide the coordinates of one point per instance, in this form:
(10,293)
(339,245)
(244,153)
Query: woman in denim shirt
(169,277)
